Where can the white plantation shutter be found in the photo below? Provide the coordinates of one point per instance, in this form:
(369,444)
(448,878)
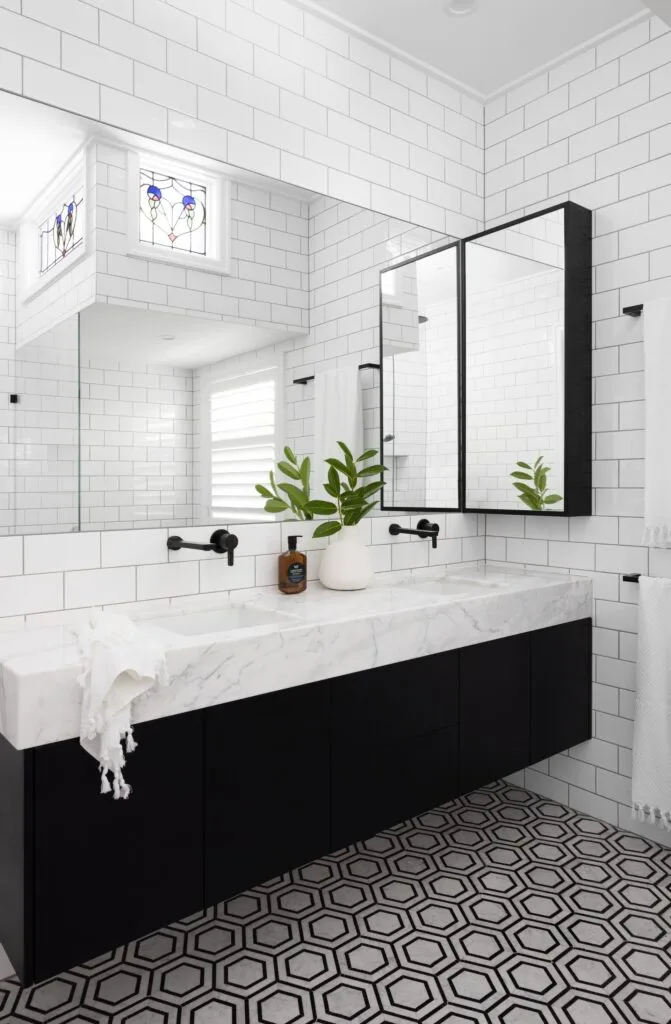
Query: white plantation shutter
(243,428)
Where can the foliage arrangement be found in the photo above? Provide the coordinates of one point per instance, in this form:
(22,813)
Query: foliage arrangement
(534,494)
(295,496)
(348,483)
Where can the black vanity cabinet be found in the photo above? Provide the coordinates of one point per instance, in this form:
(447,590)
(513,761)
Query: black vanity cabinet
(266,787)
(231,796)
(394,744)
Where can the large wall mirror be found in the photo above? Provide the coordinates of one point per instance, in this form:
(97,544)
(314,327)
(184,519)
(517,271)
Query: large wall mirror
(167,323)
(527,342)
(486,371)
(420,382)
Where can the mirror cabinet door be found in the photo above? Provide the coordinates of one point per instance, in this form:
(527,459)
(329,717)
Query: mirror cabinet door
(419,341)
(528,365)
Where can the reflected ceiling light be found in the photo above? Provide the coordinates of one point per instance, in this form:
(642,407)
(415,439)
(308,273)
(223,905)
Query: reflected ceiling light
(166,337)
(460,7)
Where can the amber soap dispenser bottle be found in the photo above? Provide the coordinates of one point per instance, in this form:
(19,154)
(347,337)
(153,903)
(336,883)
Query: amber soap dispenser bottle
(292,569)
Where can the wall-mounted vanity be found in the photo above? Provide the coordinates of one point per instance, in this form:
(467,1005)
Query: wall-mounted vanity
(485,349)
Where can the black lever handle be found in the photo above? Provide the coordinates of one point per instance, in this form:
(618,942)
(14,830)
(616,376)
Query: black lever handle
(221,541)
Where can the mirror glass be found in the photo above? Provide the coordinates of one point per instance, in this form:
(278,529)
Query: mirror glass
(515,367)
(165,317)
(420,382)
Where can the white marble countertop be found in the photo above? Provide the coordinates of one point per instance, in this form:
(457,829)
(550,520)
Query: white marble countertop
(316,635)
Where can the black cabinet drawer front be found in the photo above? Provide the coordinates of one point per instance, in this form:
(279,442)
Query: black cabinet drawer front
(397,701)
(107,871)
(561,692)
(493,711)
(377,788)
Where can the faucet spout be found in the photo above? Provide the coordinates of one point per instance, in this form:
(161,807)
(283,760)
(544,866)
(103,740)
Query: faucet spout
(425,530)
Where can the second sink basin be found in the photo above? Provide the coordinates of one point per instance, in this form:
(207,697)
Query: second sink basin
(217,620)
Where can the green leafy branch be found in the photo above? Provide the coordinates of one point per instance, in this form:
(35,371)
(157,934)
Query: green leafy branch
(294,496)
(352,491)
(534,494)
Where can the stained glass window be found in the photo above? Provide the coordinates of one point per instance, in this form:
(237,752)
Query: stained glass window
(61,232)
(172,213)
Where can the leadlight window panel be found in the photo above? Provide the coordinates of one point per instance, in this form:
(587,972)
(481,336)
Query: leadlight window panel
(243,428)
(173,213)
(62,231)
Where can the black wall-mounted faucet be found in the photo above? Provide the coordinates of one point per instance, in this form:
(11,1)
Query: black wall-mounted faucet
(424,529)
(221,541)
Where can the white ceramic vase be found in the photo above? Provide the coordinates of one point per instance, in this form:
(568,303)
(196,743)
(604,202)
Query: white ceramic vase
(346,563)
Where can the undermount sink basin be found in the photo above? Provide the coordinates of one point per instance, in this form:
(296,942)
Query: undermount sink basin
(453,586)
(217,620)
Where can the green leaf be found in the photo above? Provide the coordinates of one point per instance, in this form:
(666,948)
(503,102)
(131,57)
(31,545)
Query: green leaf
(276,505)
(321,508)
(538,461)
(295,494)
(369,454)
(327,529)
(552,499)
(524,465)
(339,466)
(531,502)
(290,455)
(272,483)
(264,492)
(334,482)
(289,470)
(371,471)
(542,483)
(330,490)
(371,489)
(522,476)
(304,470)
(525,489)
(346,452)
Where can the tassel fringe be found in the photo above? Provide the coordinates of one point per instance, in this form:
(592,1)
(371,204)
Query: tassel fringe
(651,815)
(657,536)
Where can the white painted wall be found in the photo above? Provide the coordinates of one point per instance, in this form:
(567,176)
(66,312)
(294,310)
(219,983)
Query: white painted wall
(597,130)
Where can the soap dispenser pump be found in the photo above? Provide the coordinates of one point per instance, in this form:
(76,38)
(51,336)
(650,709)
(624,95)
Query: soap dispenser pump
(292,569)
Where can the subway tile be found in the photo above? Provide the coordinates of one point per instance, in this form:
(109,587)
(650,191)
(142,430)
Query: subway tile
(30,38)
(64,552)
(645,58)
(90,61)
(175,24)
(11,556)
(571,122)
(573,68)
(26,595)
(592,804)
(594,84)
(99,586)
(217,575)
(531,552)
(133,114)
(132,40)
(623,42)
(133,547)
(80,18)
(175,579)
(593,140)
(571,555)
(527,142)
(646,118)
(60,88)
(543,109)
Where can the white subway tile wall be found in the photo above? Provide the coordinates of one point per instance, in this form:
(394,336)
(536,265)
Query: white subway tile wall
(342,139)
(598,132)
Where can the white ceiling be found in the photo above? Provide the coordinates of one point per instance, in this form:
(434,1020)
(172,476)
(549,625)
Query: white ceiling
(500,43)
(135,337)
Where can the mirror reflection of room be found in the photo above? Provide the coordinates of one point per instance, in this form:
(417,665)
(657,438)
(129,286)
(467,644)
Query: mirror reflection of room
(165,306)
(515,367)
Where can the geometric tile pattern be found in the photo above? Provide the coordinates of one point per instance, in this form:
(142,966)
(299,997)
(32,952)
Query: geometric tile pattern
(498,907)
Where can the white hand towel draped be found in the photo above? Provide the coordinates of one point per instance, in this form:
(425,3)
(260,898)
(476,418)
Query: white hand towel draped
(651,781)
(119,664)
(657,348)
(338,417)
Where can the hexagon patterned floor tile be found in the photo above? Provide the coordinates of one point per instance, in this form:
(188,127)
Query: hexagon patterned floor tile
(497,908)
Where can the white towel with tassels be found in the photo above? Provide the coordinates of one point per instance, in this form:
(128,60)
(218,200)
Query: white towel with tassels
(651,775)
(119,664)
(657,350)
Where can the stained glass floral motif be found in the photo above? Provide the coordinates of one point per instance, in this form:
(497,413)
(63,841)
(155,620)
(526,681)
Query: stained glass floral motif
(172,213)
(61,232)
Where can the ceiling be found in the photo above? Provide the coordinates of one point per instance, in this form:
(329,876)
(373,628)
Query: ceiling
(137,337)
(488,50)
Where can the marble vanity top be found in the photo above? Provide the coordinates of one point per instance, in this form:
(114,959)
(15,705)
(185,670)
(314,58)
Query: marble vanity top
(286,641)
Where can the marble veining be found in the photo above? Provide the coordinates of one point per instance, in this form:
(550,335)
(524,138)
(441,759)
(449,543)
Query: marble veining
(317,635)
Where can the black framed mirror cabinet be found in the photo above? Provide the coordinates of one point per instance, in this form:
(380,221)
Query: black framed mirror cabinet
(486,371)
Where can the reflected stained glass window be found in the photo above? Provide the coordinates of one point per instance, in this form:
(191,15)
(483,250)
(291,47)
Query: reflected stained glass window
(61,232)
(172,213)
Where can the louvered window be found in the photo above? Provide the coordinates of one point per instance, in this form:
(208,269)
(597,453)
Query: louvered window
(243,426)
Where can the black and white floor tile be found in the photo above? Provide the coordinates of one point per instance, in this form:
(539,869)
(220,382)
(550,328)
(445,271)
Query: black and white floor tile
(500,907)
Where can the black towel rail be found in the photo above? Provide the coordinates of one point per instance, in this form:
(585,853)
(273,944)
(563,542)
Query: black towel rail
(362,366)
(632,310)
(631,577)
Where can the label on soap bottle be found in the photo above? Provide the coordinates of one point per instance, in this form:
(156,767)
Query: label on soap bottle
(295,572)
